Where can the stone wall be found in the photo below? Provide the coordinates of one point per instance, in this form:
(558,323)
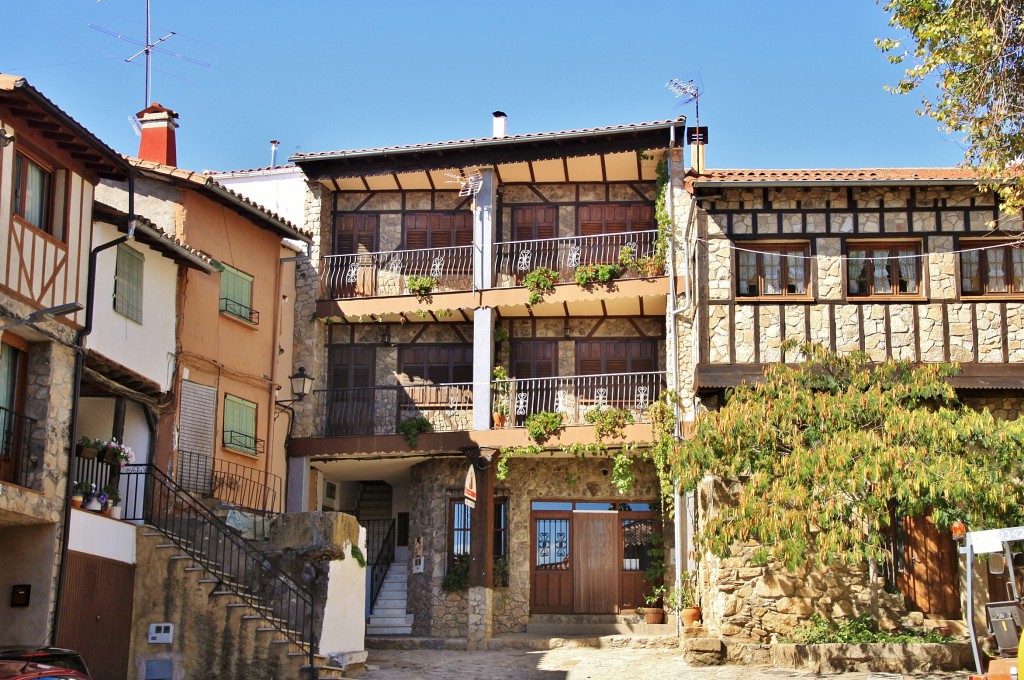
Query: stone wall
(1003,406)
(933,327)
(542,477)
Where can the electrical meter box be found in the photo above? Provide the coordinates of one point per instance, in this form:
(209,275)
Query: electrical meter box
(161,633)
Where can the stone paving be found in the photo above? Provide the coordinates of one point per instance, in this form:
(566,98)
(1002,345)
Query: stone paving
(580,664)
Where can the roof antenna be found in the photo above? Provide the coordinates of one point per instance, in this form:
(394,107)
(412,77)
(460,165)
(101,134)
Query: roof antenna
(689,90)
(469,185)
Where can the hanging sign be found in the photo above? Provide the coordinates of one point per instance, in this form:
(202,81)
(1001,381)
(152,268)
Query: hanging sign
(470,487)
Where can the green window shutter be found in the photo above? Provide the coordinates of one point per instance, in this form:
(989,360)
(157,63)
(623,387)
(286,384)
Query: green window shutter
(236,294)
(128,275)
(240,424)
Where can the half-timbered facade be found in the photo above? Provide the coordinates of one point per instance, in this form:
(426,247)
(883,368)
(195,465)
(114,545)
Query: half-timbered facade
(49,168)
(430,356)
(914,264)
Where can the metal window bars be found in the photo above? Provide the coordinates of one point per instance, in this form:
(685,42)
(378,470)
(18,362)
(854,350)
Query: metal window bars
(515,259)
(380,408)
(15,432)
(237,309)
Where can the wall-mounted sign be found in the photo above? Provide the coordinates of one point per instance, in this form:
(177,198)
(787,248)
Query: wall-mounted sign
(470,488)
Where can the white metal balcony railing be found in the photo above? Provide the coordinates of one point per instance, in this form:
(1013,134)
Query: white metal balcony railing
(383,274)
(449,407)
(574,396)
(515,259)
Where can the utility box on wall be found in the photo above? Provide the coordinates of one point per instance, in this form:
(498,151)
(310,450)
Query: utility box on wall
(159,669)
(161,633)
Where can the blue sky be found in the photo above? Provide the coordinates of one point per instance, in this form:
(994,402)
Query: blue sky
(789,83)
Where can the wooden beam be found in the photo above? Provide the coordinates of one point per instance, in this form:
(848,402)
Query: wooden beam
(481,529)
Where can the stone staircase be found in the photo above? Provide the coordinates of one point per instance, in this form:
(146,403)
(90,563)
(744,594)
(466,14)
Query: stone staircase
(595,625)
(245,641)
(389,616)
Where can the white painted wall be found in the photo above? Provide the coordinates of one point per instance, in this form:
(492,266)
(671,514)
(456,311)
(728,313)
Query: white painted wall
(93,534)
(95,415)
(344,625)
(281,190)
(146,348)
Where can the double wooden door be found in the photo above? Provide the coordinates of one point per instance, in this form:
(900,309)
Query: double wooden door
(577,566)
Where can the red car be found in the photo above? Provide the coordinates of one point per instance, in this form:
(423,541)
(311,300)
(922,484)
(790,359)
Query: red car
(28,670)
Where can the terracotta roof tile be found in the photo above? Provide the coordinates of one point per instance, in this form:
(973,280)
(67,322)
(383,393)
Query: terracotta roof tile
(102,210)
(859,175)
(485,140)
(206,182)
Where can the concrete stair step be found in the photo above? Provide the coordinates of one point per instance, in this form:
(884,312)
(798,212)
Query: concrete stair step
(387,620)
(387,630)
(389,611)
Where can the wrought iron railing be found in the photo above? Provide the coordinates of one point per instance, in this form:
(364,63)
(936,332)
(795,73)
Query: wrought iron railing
(247,488)
(575,396)
(15,432)
(382,562)
(243,312)
(152,497)
(380,409)
(243,441)
(383,274)
(515,259)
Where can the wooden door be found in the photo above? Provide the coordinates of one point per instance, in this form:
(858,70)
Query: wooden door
(96,613)
(551,574)
(637,530)
(531,361)
(534,228)
(355,235)
(930,581)
(595,568)
(351,404)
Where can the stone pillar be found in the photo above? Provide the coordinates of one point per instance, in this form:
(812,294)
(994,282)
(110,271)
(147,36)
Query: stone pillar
(480,605)
(484,206)
(297,489)
(483,360)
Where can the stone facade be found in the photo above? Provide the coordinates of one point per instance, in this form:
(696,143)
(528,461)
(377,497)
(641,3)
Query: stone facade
(443,614)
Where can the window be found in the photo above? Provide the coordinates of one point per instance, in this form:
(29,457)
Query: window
(772,270)
(611,218)
(128,283)
(240,426)
(883,269)
(460,518)
(985,270)
(437,364)
(236,294)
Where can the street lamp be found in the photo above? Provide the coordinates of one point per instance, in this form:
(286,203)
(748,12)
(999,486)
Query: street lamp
(46,314)
(302,384)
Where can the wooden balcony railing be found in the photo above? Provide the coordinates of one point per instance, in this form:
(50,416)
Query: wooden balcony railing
(380,409)
(515,259)
(387,273)
(575,396)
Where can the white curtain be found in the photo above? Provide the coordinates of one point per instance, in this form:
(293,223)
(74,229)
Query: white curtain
(854,271)
(908,271)
(880,272)
(996,274)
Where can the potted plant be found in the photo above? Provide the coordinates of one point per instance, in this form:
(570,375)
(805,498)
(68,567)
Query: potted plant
(654,612)
(92,501)
(540,281)
(420,286)
(88,448)
(111,508)
(502,390)
(79,490)
(655,578)
(116,453)
(682,601)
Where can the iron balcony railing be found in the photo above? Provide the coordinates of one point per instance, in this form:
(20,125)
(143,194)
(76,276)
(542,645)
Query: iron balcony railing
(237,309)
(243,442)
(384,274)
(575,396)
(152,497)
(382,562)
(244,487)
(515,259)
(381,408)
(15,432)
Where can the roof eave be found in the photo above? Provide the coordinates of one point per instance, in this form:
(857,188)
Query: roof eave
(734,183)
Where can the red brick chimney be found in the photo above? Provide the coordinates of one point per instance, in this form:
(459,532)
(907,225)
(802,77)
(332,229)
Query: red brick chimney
(157,143)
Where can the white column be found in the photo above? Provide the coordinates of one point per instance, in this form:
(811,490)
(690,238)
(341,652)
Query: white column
(484,205)
(483,361)
(297,491)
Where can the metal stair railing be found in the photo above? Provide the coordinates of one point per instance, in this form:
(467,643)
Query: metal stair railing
(150,496)
(385,556)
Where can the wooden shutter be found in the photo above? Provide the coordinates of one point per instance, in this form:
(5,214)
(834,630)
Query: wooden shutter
(618,355)
(534,222)
(437,364)
(197,418)
(595,220)
(462,226)
(535,359)
(128,279)
(351,366)
(356,234)
(239,424)
(416,231)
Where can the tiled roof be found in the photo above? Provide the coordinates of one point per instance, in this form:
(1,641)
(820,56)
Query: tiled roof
(839,175)
(143,225)
(205,182)
(101,158)
(253,171)
(478,141)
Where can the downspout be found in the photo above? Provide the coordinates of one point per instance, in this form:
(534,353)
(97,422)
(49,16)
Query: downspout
(77,392)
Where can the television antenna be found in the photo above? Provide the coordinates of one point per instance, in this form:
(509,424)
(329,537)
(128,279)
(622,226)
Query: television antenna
(148,48)
(136,126)
(688,90)
(469,185)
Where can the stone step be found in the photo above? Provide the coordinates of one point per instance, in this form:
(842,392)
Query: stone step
(389,611)
(387,620)
(599,629)
(387,630)
(521,641)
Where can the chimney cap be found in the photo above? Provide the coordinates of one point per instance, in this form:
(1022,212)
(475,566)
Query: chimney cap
(155,108)
(499,114)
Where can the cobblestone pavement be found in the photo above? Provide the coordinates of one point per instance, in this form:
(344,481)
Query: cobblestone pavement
(580,664)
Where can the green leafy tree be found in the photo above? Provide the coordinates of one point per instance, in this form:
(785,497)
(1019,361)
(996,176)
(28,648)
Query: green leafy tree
(971,51)
(829,450)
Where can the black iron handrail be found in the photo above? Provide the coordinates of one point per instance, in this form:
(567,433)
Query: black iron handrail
(15,432)
(385,556)
(243,441)
(152,497)
(237,309)
(246,488)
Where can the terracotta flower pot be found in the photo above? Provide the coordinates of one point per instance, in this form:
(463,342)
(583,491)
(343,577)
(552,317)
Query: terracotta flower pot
(690,616)
(76,501)
(499,420)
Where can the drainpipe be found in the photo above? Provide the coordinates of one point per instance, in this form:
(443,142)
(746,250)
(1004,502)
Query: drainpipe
(77,392)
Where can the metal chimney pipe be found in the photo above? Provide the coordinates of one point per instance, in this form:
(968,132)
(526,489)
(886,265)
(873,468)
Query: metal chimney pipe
(500,124)
(273,152)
